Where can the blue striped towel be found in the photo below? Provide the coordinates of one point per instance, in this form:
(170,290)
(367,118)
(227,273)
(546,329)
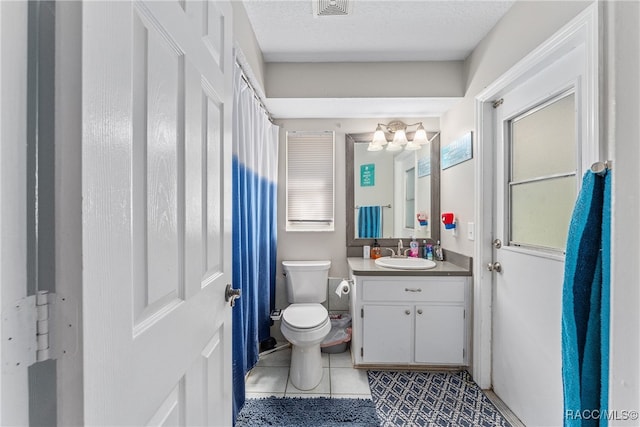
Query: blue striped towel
(370,222)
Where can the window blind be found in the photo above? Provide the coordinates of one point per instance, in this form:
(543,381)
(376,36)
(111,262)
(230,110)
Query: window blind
(310,181)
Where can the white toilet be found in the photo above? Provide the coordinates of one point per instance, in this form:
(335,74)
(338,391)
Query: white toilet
(305,323)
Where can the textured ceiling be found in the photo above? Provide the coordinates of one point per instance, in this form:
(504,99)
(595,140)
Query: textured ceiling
(392,30)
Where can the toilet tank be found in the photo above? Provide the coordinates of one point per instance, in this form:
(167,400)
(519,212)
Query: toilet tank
(306,281)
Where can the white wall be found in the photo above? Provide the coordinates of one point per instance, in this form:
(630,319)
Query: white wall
(245,40)
(365,79)
(622,131)
(523,28)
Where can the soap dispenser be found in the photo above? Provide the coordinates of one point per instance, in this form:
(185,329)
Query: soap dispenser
(413,248)
(376,251)
(438,252)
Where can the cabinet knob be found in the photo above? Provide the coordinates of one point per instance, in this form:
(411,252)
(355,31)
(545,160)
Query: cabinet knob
(407,312)
(419,311)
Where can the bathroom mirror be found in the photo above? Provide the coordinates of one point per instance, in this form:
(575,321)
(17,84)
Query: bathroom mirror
(396,193)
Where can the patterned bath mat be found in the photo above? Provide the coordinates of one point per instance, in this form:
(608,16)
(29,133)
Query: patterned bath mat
(297,411)
(431,399)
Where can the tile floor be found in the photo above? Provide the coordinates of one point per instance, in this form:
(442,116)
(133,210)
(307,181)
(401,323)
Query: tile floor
(270,377)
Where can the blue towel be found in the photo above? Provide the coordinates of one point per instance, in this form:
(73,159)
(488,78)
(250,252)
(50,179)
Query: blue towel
(585,310)
(605,298)
(370,222)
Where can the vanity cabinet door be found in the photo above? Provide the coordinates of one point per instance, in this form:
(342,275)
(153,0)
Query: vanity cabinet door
(439,334)
(387,333)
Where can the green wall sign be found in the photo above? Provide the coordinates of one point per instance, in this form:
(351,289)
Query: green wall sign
(368,175)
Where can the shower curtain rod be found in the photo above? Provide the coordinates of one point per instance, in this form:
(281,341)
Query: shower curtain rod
(601,168)
(255,92)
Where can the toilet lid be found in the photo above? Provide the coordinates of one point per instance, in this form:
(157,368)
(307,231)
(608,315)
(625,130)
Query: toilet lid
(305,316)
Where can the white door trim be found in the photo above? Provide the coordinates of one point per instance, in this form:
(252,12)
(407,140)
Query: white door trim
(583,29)
(14,385)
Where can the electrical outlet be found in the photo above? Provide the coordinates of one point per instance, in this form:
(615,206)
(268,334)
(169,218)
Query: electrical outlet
(471,231)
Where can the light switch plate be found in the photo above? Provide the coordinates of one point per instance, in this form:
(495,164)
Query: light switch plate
(471,231)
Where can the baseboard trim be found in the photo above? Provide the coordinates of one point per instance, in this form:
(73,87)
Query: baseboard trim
(503,409)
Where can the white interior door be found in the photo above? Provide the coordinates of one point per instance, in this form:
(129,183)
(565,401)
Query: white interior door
(156,175)
(14,393)
(538,164)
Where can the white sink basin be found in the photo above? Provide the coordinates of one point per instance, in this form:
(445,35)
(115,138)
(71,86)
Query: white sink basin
(405,263)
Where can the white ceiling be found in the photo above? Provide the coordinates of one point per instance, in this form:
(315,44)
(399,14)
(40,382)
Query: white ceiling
(392,30)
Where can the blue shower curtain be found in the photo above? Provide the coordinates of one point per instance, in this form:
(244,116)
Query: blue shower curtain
(585,306)
(255,174)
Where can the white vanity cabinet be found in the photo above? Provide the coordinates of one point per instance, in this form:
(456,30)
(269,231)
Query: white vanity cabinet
(410,320)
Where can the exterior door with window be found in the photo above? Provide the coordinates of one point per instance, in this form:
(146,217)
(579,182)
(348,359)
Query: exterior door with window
(537,169)
(156,159)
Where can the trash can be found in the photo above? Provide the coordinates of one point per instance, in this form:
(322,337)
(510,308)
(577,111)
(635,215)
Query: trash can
(337,341)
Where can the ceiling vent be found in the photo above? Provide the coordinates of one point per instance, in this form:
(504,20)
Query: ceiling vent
(332,7)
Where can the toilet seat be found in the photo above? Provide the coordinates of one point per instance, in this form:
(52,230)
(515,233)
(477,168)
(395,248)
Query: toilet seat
(304,317)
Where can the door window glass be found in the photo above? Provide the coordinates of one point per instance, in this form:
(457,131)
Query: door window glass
(542,185)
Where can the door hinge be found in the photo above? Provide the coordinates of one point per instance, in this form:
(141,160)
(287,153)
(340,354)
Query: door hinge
(498,103)
(38,328)
(464,314)
(42,327)
(361,352)
(362,312)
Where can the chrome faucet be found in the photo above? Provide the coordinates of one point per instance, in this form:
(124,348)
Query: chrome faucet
(400,247)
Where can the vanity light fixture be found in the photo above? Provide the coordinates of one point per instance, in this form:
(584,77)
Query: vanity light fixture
(400,140)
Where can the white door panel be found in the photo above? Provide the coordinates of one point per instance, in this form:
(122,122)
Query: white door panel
(156,229)
(526,335)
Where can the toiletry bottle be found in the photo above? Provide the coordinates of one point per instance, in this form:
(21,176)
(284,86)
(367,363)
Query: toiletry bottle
(413,248)
(424,249)
(438,249)
(376,251)
(430,252)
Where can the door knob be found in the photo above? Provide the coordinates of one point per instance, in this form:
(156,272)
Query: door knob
(231,295)
(494,266)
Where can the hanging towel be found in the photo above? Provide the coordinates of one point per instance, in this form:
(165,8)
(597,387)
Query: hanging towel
(370,222)
(585,306)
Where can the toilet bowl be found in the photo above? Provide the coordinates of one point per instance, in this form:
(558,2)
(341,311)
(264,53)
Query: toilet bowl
(305,326)
(305,323)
